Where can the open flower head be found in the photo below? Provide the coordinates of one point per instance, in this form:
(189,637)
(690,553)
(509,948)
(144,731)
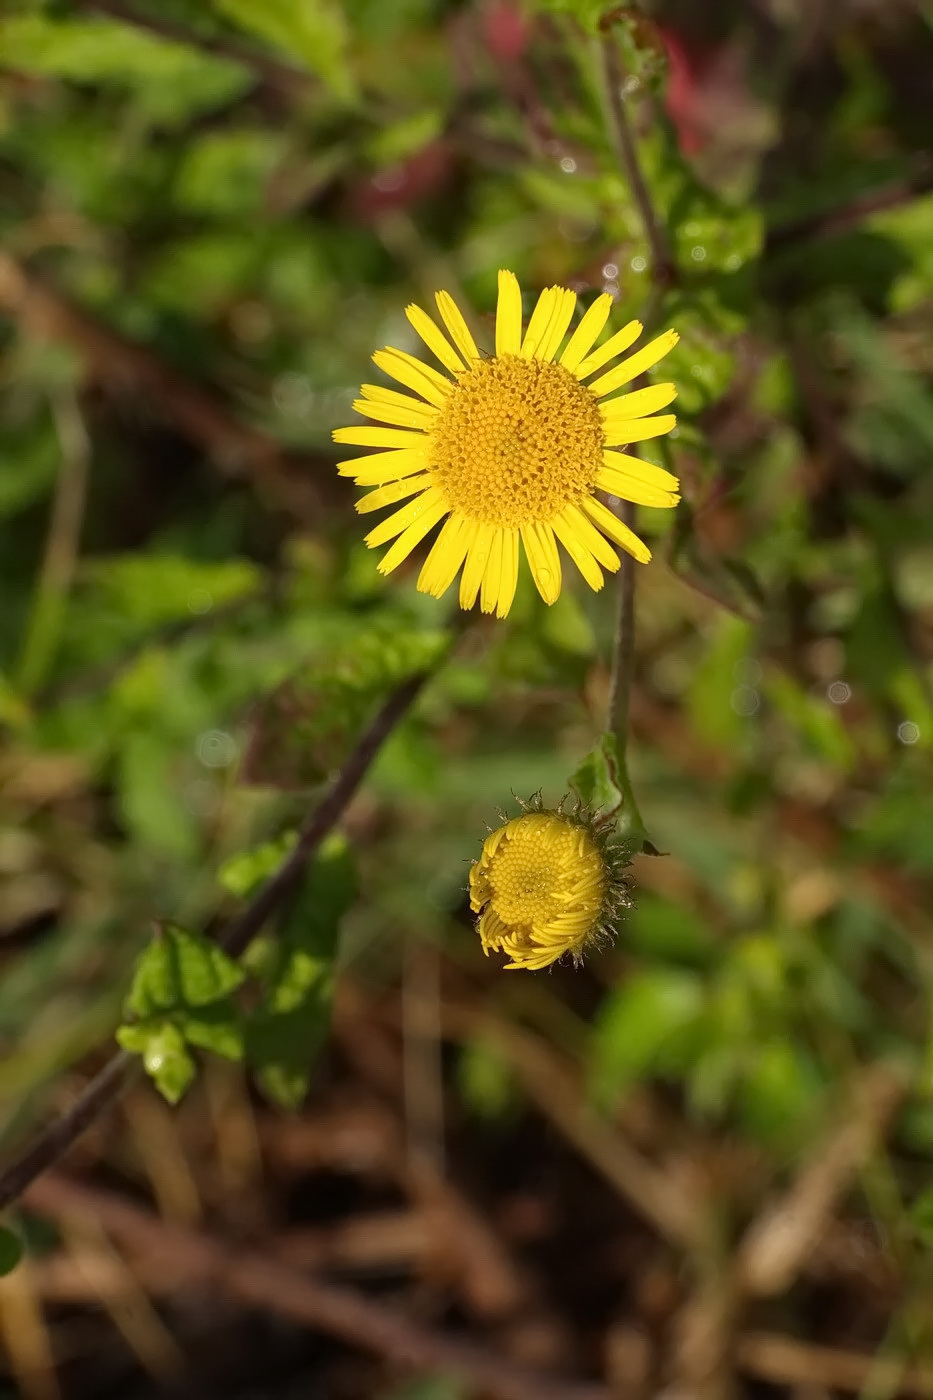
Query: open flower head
(548,883)
(512,447)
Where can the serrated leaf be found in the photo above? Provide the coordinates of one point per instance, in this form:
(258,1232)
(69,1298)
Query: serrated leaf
(11,1251)
(286,1031)
(179,970)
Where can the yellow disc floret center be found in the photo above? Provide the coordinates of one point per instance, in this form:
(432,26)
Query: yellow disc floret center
(516,441)
(538,868)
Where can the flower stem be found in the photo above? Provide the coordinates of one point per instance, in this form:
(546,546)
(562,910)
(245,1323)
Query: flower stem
(664,274)
(663,268)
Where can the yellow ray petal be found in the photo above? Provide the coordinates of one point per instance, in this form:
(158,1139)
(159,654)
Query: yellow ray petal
(583,338)
(433,511)
(613,527)
(508,315)
(377,393)
(544,560)
(434,339)
(392,493)
(394,524)
(580,555)
(538,324)
(643,471)
(446,555)
(624,430)
(561,317)
(635,365)
(589,537)
(424,380)
(452,317)
(473,569)
(492,575)
(365,436)
(633,488)
(394,413)
(639,403)
(609,349)
(380,467)
(509,577)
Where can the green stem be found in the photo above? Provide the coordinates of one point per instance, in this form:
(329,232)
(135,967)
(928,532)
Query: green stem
(61,549)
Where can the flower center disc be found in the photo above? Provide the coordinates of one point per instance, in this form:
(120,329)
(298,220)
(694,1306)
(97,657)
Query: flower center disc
(543,869)
(516,441)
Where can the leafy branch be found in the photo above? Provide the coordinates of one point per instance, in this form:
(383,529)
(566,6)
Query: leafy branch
(55,1140)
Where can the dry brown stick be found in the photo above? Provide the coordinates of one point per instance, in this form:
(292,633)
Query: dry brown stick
(56,1139)
(776,1245)
(785,1361)
(256,1279)
(198,413)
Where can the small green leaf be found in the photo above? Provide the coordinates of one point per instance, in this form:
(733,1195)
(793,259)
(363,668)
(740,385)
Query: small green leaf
(244,873)
(921,1215)
(601,781)
(165,1055)
(217,1027)
(596,780)
(651,1025)
(11,1251)
(180,970)
(287,1029)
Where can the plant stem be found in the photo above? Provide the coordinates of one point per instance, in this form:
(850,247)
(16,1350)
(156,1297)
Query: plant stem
(664,274)
(663,269)
(53,1141)
(61,548)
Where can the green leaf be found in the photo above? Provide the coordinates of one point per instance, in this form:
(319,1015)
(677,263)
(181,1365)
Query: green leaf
(11,1251)
(180,970)
(601,781)
(650,1025)
(164,1053)
(217,1027)
(245,872)
(312,31)
(921,1216)
(168,1062)
(171,80)
(286,1031)
(596,778)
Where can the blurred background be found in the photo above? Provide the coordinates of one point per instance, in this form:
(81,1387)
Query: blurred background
(701,1167)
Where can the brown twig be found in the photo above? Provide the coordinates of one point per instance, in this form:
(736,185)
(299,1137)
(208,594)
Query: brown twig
(785,1361)
(55,1140)
(776,1245)
(917,182)
(261,1281)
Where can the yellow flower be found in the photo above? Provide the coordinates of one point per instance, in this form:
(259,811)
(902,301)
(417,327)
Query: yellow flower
(547,883)
(512,446)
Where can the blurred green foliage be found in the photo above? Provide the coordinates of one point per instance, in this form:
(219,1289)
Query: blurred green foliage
(247,195)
